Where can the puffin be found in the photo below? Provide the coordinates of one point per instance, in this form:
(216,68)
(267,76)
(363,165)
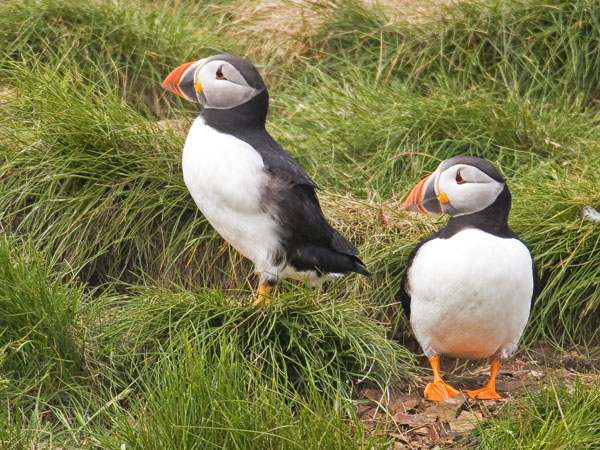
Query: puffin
(468,289)
(254,194)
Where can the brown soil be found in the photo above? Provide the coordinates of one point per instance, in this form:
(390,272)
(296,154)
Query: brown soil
(413,422)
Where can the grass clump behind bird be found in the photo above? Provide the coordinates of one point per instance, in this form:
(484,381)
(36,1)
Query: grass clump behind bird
(116,46)
(532,48)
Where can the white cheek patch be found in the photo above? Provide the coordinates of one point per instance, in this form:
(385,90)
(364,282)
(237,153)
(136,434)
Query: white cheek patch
(475,197)
(223,93)
(477,192)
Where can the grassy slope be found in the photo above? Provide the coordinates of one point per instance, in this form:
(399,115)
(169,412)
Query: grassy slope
(559,416)
(92,184)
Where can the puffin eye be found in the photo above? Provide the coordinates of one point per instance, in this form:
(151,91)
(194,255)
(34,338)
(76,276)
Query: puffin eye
(459,178)
(220,75)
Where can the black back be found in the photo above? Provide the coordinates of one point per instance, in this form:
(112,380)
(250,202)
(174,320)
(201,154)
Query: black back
(247,123)
(310,243)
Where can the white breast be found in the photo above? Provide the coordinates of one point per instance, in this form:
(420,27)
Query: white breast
(226,179)
(470,295)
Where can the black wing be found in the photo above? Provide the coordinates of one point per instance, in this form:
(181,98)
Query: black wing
(277,160)
(311,243)
(404,294)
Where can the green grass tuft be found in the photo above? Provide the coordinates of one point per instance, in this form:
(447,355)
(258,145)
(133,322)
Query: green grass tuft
(41,343)
(196,399)
(120,45)
(301,342)
(560,416)
(532,48)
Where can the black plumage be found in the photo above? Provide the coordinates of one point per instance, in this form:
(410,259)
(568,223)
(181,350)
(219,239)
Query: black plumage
(308,241)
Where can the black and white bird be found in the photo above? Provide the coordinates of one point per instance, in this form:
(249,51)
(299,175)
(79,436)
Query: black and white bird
(468,288)
(257,197)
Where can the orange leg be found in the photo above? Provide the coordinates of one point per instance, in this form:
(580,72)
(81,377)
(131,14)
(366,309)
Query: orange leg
(438,390)
(263,294)
(488,392)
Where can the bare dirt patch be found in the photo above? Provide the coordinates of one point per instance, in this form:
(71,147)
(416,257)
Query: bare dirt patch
(413,422)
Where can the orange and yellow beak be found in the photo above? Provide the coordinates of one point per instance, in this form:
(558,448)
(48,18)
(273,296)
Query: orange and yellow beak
(423,197)
(181,81)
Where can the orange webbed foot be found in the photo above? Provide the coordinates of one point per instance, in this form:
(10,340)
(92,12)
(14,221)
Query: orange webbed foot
(485,393)
(438,390)
(488,392)
(263,295)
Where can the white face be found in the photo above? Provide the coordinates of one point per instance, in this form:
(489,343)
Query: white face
(468,189)
(220,85)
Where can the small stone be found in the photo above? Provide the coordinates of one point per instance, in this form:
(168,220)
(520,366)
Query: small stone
(414,420)
(422,431)
(466,421)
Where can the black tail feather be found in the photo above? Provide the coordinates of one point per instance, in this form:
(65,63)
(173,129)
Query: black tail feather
(324,260)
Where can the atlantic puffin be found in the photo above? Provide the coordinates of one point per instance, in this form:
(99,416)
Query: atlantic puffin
(255,195)
(468,289)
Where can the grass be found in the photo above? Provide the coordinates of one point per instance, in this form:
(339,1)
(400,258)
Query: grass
(192,400)
(559,416)
(123,316)
(301,344)
(115,45)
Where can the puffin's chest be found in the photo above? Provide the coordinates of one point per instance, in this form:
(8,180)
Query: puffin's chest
(222,171)
(470,294)
(227,180)
(469,267)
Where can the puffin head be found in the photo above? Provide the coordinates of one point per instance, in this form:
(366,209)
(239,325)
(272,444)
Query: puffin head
(219,82)
(461,185)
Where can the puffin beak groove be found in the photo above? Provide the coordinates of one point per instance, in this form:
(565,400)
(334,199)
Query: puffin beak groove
(415,197)
(180,81)
(422,198)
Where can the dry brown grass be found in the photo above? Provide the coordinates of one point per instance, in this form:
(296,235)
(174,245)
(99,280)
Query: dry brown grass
(283,29)
(6,93)
(286,30)
(373,220)
(178,126)
(414,11)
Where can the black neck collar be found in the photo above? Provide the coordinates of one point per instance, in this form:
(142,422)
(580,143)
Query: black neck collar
(249,115)
(493,219)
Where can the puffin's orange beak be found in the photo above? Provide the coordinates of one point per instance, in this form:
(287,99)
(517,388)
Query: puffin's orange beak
(423,198)
(181,81)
